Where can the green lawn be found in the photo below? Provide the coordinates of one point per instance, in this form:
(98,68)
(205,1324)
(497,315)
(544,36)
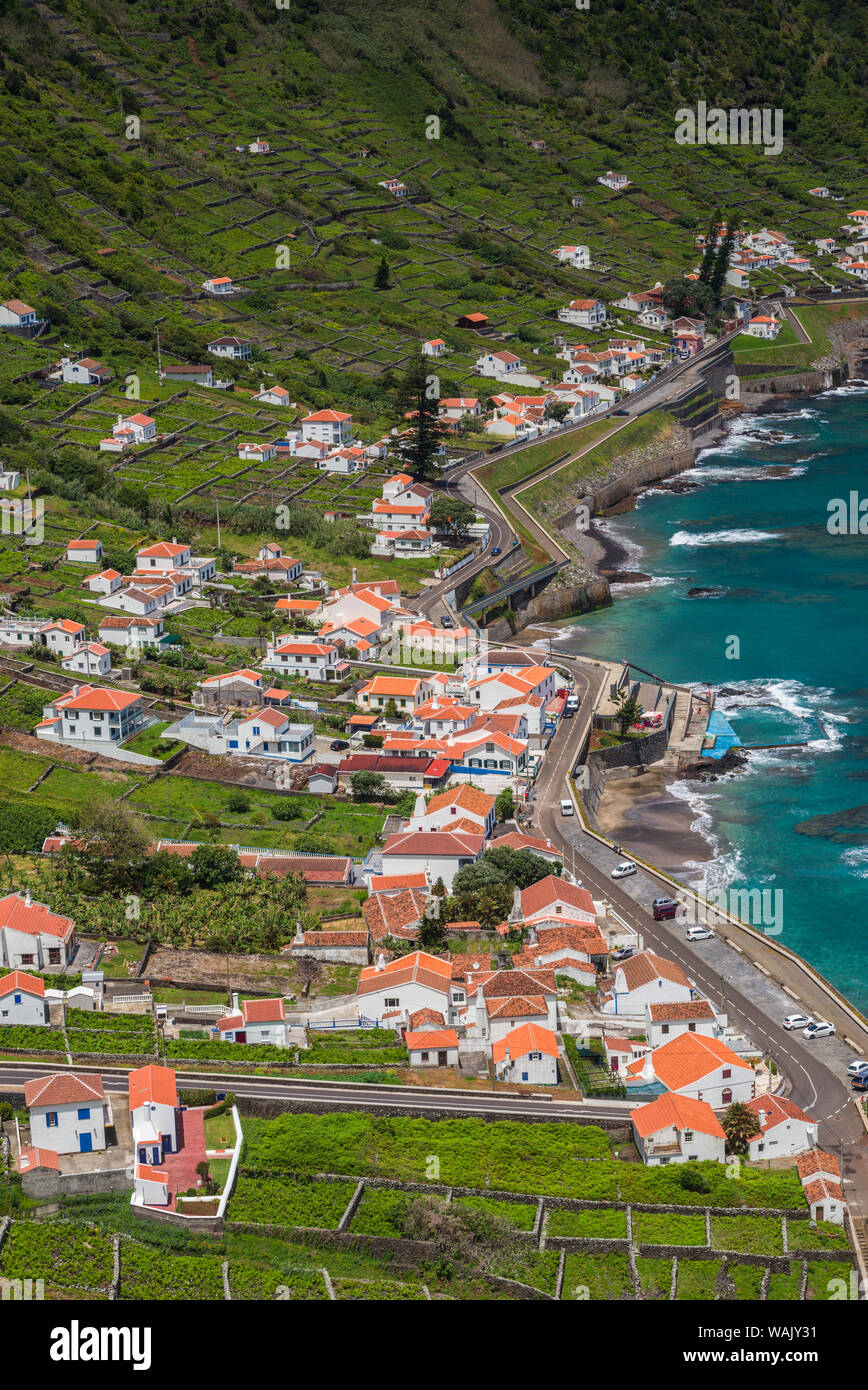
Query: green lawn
(151,744)
(219,1132)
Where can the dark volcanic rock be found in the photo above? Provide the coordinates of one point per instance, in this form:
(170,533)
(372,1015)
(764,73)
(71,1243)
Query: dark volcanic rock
(626,576)
(706,593)
(709,769)
(845,827)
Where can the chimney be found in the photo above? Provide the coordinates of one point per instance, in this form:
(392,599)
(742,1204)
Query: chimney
(763,1116)
(174,540)
(75,692)
(261,387)
(299,934)
(381,961)
(355,575)
(27,899)
(235,1005)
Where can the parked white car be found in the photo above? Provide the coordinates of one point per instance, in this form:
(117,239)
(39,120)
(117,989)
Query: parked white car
(819,1030)
(624,870)
(797,1021)
(700,934)
(857,1067)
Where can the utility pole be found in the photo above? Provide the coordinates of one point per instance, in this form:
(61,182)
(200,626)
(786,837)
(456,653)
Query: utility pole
(159,359)
(218,526)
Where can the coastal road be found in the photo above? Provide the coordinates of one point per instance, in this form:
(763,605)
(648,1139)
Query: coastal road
(460,483)
(501,1103)
(749,993)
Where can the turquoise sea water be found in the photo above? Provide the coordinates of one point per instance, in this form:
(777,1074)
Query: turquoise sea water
(785,646)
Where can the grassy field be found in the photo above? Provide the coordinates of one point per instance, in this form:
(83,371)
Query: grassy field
(554,494)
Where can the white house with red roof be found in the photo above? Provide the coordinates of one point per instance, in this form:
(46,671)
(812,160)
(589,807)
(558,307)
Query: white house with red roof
(63,637)
(406,691)
(400,515)
(763,326)
(820,1176)
(528,1054)
(783,1128)
(501,365)
(617,182)
(255,1021)
(445,809)
(162,557)
(84,552)
(131,631)
(432,1047)
(579,257)
(33,936)
(22,1000)
(574,951)
(153,1098)
(434,347)
(130,431)
(257,452)
(666,1021)
(92,713)
(517,840)
(265,732)
(507,999)
(696,1066)
(646,978)
(243,686)
(333,428)
(677,1129)
(299,656)
(106,582)
(437,853)
(584,313)
(68,1113)
(551,902)
(273,395)
(393,991)
(218,284)
(454,408)
(90,659)
(14,313)
(85,372)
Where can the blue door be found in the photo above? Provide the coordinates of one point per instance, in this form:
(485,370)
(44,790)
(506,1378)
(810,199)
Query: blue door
(86,1144)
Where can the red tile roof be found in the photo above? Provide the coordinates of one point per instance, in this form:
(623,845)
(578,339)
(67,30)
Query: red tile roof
(531,1037)
(152,1083)
(776,1110)
(33,919)
(675,1013)
(425,1018)
(263,1010)
(396,915)
(548,891)
(27,984)
(443,1037)
(30,1158)
(676,1112)
(63,1088)
(817,1161)
(687,1059)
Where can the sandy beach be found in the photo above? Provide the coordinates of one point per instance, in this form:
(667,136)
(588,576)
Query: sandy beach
(641,814)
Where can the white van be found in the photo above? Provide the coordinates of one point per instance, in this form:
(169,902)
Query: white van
(566,807)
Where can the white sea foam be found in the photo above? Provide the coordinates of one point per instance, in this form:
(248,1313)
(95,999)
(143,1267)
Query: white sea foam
(740,537)
(757,473)
(856,859)
(658,582)
(809,705)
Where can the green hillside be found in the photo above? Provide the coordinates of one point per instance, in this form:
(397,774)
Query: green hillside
(122,190)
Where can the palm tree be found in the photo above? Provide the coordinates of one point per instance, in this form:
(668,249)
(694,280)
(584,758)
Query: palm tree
(739,1125)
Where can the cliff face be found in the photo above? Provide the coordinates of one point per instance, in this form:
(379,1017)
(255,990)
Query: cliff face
(565,601)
